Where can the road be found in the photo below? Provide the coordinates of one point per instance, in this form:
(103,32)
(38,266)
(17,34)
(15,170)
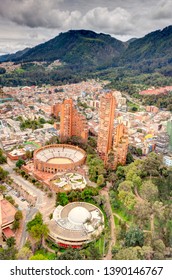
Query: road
(133,100)
(29,215)
(43,204)
(30,188)
(23,205)
(25,184)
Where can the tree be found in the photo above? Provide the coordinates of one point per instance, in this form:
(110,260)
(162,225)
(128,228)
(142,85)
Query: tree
(62,199)
(128,199)
(24,254)
(10,199)
(125,194)
(3,159)
(149,191)
(100,199)
(74,195)
(39,232)
(151,164)
(134,237)
(38,257)
(11,242)
(100,180)
(141,213)
(126,186)
(139,152)
(96,167)
(71,254)
(19,163)
(137,181)
(120,172)
(8,254)
(2,189)
(132,175)
(29,154)
(37,229)
(18,215)
(112,177)
(159,249)
(88,193)
(127,254)
(129,158)
(35,221)
(16,224)
(168,235)
(147,252)
(53,140)
(3,174)
(92,142)
(92,252)
(158,209)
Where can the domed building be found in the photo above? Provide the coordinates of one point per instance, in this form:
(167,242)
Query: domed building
(75,224)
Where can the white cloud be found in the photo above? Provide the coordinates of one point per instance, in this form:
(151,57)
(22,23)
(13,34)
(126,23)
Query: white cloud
(30,22)
(163,11)
(33,13)
(116,21)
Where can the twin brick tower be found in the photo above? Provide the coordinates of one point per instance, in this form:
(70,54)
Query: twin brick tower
(112,144)
(72,123)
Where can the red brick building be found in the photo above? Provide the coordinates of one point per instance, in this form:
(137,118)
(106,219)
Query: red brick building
(7,213)
(72,123)
(106,120)
(120,145)
(112,143)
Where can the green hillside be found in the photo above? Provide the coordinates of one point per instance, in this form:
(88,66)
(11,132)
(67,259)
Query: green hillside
(84,54)
(81,47)
(152,51)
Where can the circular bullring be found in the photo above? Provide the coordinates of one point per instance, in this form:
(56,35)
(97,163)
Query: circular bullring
(58,158)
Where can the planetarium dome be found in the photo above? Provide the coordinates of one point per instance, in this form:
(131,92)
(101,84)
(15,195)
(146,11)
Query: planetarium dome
(79,215)
(75,224)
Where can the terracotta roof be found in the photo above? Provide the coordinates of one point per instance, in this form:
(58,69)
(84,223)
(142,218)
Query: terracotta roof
(8,232)
(8,212)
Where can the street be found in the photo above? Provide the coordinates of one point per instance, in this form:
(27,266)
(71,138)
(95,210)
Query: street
(43,204)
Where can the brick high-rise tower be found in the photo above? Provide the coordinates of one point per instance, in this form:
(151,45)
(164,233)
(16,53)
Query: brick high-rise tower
(120,145)
(66,119)
(106,124)
(112,143)
(72,123)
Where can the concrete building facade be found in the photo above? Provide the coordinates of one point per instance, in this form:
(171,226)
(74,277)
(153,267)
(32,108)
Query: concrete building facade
(167,160)
(162,143)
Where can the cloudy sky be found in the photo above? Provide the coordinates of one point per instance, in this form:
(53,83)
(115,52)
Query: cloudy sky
(26,23)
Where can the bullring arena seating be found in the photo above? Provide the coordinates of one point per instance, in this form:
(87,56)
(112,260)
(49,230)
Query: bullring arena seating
(58,157)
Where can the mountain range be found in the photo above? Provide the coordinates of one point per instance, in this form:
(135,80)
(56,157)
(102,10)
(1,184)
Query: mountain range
(85,48)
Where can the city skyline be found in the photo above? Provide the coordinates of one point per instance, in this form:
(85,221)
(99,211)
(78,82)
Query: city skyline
(29,23)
